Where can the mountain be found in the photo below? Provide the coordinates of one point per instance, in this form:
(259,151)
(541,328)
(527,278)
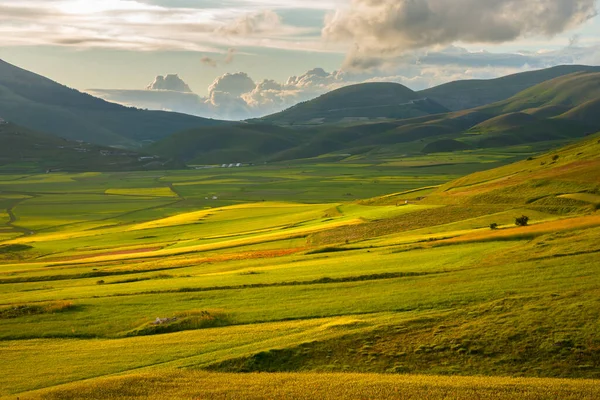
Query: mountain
(27,150)
(41,104)
(359,102)
(371,101)
(229,144)
(560,110)
(466,94)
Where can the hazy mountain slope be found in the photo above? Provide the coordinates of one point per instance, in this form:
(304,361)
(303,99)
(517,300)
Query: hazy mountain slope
(527,118)
(566,91)
(27,150)
(31,100)
(229,144)
(363,101)
(587,114)
(462,95)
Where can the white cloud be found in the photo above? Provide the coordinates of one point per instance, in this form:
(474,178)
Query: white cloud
(237,96)
(382,29)
(138,25)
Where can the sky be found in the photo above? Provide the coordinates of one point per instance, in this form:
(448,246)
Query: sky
(246,58)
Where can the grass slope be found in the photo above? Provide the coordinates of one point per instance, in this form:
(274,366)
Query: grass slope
(463,95)
(38,103)
(232,144)
(403,285)
(363,101)
(28,151)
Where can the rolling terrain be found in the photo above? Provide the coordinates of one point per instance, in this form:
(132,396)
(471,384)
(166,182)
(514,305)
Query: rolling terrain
(552,113)
(394,101)
(40,104)
(24,150)
(171,284)
(359,102)
(467,94)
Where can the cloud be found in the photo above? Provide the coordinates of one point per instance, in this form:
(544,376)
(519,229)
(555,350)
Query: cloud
(170,82)
(230,55)
(382,29)
(209,62)
(265,21)
(237,96)
(149,25)
(234,84)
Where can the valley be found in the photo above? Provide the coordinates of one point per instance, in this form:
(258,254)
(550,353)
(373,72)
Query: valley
(145,283)
(375,242)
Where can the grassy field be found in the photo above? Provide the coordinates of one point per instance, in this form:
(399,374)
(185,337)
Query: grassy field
(347,280)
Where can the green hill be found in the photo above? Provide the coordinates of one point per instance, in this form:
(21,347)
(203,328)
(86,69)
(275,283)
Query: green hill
(466,94)
(566,91)
(38,103)
(587,114)
(241,143)
(559,110)
(27,150)
(359,102)
(562,180)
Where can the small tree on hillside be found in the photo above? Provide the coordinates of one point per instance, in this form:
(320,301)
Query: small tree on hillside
(522,221)
(493,226)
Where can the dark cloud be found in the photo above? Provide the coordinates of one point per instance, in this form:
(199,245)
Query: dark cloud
(209,62)
(230,56)
(387,28)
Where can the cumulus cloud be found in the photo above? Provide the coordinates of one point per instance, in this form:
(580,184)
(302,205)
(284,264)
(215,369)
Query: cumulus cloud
(234,84)
(380,29)
(237,96)
(170,82)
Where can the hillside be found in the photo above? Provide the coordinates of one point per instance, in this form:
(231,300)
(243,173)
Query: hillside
(358,102)
(553,112)
(241,143)
(566,91)
(466,94)
(537,115)
(282,273)
(27,150)
(38,103)
(566,178)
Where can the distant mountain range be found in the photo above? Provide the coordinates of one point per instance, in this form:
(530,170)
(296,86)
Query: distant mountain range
(41,104)
(372,101)
(359,103)
(560,109)
(370,120)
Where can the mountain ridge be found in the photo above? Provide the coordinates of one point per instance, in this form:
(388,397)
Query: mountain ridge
(36,102)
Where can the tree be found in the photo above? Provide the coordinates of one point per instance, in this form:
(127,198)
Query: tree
(493,226)
(522,221)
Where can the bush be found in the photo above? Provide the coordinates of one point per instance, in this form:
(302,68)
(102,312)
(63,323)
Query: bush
(555,157)
(522,221)
(493,226)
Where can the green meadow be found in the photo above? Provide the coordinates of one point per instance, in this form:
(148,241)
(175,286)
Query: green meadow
(350,279)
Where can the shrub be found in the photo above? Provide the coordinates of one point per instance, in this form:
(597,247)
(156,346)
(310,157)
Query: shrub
(522,221)
(555,157)
(493,226)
